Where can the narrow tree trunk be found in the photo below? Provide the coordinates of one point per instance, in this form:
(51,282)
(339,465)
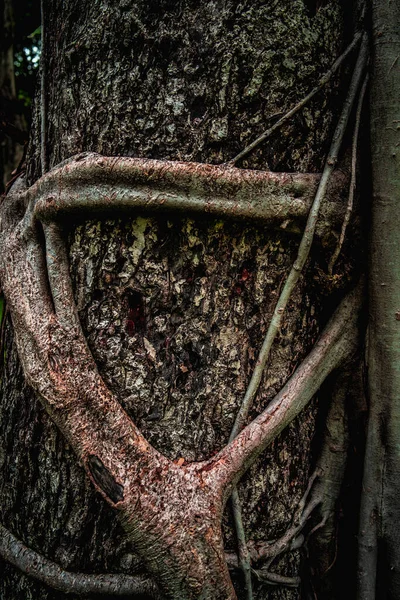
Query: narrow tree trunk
(11,149)
(379,561)
(175,308)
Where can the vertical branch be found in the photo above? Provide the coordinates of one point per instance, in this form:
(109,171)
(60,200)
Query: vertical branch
(353,180)
(294,275)
(336,343)
(379,536)
(243,550)
(305,244)
(324,80)
(59,277)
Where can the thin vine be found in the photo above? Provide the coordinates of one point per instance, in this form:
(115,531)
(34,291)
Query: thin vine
(60,294)
(353,181)
(323,81)
(293,277)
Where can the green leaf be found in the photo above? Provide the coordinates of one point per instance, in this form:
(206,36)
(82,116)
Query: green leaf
(38,31)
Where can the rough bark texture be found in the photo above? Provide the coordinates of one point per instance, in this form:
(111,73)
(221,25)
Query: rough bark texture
(174,308)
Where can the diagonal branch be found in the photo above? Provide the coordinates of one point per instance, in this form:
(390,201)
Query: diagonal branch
(323,81)
(291,281)
(337,342)
(304,247)
(55,356)
(35,565)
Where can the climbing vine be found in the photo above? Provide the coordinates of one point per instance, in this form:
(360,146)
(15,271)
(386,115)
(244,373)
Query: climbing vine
(179,540)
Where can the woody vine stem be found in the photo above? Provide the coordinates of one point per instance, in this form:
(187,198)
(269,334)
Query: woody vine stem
(293,277)
(179,541)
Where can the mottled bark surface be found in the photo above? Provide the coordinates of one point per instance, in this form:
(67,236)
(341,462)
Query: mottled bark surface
(174,308)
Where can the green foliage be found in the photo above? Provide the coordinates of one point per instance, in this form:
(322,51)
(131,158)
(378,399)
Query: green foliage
(27,48)
(24,98)
(37,32)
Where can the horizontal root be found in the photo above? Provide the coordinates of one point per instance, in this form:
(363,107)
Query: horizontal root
(35,565)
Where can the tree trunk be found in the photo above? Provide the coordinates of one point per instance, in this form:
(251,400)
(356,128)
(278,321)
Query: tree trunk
(379,561)
(175,308)
(11,121)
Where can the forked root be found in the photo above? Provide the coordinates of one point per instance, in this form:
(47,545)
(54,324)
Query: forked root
(171,512)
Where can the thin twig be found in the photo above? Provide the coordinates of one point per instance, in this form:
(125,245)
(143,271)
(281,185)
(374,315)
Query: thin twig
(275,579)
(284,543)
(304,248)
(256,550)
(353,181)
(324,79)
(304,498)
(319,525)
(243,551)
(35,565)
(294,275)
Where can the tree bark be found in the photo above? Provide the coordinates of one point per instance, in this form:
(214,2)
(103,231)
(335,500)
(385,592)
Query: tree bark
(175,308)
(379,561)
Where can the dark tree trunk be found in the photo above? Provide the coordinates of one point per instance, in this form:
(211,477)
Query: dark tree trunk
(11,121)
(175,309)
(379,562)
